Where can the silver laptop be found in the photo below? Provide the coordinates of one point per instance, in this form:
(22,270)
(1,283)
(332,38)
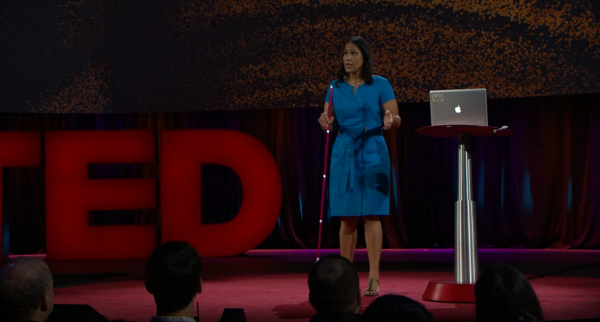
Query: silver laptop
(458,106)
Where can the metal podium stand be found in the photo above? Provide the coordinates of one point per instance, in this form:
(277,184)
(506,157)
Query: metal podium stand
(465,230)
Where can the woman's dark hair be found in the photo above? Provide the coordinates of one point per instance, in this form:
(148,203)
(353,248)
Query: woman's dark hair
(396,308)
(368,64)
(503,294)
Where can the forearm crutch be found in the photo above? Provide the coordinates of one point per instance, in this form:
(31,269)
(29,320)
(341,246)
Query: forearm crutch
(324,172)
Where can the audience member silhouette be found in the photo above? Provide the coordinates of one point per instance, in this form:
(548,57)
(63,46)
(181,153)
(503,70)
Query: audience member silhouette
(26,291)
(334,290)
(502,294)
(174,278)
(396,308)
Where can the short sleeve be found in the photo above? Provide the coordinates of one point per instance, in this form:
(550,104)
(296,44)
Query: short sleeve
(327,93)
(386,93)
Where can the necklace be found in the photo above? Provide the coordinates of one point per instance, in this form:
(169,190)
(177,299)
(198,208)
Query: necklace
(355,83)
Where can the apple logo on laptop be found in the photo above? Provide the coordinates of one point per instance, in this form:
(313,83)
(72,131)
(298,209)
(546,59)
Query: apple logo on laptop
(457,109)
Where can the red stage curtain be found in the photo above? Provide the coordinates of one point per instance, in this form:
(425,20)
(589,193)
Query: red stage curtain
(538,189)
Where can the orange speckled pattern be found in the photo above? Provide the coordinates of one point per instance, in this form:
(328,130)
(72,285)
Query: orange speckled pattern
(76,56)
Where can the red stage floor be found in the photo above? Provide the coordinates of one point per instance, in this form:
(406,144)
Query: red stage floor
(271,285)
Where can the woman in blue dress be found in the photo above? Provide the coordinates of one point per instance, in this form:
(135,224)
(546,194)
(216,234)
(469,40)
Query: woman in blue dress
(359,181)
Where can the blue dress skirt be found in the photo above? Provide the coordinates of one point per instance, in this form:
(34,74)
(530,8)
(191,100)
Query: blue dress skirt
(359,179)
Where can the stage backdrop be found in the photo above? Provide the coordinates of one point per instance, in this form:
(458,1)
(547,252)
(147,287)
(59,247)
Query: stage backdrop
(538,189)
(73,56)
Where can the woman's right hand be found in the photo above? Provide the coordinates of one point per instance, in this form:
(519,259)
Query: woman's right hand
(324,121)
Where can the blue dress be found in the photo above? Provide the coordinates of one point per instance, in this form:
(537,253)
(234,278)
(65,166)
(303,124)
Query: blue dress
(359,179)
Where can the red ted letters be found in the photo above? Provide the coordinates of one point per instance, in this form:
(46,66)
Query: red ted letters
(18,149)
(70,194)
(182,152)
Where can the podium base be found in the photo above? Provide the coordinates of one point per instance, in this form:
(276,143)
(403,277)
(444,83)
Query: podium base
(449,291)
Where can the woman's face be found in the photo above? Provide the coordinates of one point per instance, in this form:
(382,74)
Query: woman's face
(353,59)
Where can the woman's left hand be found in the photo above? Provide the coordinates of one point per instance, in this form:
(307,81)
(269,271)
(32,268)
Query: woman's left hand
(388,120)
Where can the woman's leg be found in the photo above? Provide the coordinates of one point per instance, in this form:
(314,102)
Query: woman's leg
(348,237)
(374,240)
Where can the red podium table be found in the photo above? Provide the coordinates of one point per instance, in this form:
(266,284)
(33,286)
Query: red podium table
(465,232)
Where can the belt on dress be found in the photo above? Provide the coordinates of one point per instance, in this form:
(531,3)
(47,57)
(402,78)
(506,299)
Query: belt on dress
(367,133)
(348,176)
